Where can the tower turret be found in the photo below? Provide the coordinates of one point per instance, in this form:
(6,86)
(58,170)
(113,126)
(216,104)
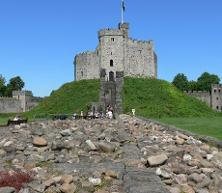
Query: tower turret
(124,27)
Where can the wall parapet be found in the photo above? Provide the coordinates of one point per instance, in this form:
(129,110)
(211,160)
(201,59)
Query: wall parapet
(85,53)
(149,42)
(110,32)
(197,92)
(216,85)
(7,98)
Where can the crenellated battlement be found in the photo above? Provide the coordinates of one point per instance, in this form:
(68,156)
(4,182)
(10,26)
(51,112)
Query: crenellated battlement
(216,85)
(197,92)
(148,43)
(109,32)
(7,98)
(139,41)
(85,53)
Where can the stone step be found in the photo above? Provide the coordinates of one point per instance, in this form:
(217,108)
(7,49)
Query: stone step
(136,181)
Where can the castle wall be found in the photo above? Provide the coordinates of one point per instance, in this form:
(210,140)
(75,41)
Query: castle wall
(140,59)
(204,96)
(21,101)
(30,105)
(216,91)
(111,51)
(10,105)
(87,65)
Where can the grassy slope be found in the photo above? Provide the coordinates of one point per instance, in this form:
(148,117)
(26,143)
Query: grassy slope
(71,97)
(209,126)
(150,97)
(157,98)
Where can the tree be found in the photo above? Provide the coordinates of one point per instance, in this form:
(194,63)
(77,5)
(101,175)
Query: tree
(181,82)
(16,83)
(2,85)
(192,85)
(8,91)
(205,81)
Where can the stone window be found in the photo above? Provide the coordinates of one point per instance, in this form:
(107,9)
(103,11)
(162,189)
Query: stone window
(217,98)
(219,90)
(215,90)
(82,73)
(217,107)
(111,53)
(111,63)
(112,39)
(140,51)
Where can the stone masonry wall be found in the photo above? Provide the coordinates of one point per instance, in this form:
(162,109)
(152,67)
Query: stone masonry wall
(202,95)
(10,105)
(87,66)
(111,49)
(140,59)
(217,97)
(21,101)
(213,99)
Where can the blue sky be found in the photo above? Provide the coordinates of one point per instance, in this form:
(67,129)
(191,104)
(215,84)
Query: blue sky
(39,38)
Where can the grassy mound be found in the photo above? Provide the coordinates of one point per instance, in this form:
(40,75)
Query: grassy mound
(157,98)
(150,97)
(69,98)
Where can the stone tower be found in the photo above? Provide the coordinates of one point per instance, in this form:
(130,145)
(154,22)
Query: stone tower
(216,97)
(24,97)
(117,52)
(116,56)
(112,50)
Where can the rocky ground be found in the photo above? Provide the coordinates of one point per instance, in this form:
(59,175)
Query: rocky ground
(126,155)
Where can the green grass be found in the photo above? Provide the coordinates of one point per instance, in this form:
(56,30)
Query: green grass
(157,98)
(150,97)
(69,98)
(209,126)
(4,117)
(3,121)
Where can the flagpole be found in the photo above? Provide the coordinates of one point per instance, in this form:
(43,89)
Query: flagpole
(122,2)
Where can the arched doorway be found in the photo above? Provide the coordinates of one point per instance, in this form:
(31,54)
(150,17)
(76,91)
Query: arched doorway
(111,76)
(111,63)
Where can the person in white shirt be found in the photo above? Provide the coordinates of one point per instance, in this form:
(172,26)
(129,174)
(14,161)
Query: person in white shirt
(110,114)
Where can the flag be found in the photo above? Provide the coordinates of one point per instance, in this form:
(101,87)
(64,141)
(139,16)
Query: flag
(123,5)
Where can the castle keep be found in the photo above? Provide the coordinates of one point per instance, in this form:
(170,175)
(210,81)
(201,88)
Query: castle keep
(117,52)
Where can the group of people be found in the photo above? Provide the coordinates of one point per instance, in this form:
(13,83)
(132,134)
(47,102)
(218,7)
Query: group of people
(88,115)
(95,114)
